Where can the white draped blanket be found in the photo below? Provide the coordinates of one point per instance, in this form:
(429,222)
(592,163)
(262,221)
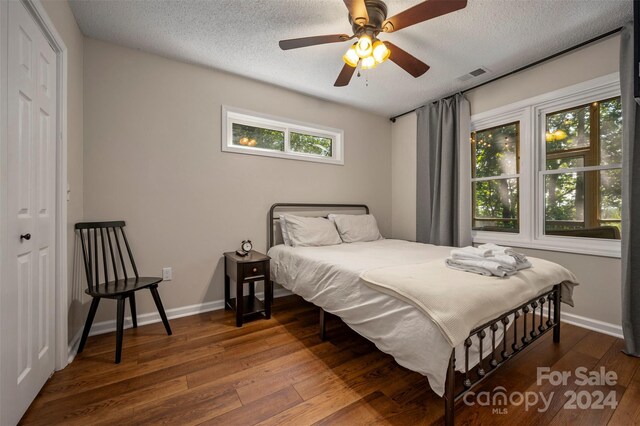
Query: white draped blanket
(457,301)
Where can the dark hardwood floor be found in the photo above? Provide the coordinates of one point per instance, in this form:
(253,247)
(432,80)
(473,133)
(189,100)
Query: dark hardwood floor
(278,371)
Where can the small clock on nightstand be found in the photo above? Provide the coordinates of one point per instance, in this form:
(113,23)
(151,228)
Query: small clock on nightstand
(245,248)
(247,266)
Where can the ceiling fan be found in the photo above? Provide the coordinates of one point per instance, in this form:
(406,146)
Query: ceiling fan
(368,18)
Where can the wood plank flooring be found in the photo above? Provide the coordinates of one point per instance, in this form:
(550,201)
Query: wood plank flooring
(278,371)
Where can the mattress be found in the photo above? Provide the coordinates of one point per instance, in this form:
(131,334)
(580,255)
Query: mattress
(329,277)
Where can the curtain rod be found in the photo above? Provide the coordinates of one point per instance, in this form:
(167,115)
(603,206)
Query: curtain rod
(533,64)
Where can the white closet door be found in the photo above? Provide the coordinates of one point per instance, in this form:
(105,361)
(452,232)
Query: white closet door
(27,313)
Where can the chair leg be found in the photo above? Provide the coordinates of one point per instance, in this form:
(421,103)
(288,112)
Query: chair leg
(119,330)
(132,304)
(87,325)
(156,298)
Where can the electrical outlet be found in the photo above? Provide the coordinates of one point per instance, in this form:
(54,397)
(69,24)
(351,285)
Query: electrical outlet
(167,274)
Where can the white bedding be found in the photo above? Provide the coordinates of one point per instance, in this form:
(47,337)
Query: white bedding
(329,277)
(459,301)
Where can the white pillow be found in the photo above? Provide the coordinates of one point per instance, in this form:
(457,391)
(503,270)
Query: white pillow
(355,228)
(285,232)
(311,231)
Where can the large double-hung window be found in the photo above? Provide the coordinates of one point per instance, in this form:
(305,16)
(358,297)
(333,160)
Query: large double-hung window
(547,172)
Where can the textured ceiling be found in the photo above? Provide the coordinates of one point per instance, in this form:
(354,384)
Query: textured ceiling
(241,37)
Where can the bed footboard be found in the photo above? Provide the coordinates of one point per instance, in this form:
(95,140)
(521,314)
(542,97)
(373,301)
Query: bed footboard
(530,322)
(521,327)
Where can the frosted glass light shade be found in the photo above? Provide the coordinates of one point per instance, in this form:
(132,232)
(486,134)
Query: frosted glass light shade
(364,46)
(351,58)
(380,52)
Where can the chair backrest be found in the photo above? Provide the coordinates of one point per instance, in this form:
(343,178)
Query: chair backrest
(95,252)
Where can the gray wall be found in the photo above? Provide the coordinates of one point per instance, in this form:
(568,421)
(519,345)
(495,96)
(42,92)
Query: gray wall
(598,296)
(152,156)
(403,177)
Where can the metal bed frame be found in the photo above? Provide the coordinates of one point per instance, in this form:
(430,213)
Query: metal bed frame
(526,327)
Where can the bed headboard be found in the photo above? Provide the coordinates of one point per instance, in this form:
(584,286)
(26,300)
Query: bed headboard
(306,209)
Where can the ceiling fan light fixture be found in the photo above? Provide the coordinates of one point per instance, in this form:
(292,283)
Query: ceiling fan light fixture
(368,63)
(380,52)
(351,58)
(364,46)
(368,18)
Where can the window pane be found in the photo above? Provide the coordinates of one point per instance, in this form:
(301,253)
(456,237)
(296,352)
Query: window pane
(495,205)
(564,163)
(495,151)
(583,204)
(310,144)
(611,131)
(611,198)
(564,201)
(258,137)
(568,129)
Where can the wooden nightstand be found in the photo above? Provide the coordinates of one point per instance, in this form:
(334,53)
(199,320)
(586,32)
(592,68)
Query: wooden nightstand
(249,269)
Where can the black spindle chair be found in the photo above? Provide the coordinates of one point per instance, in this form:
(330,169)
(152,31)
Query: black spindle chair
(104,243)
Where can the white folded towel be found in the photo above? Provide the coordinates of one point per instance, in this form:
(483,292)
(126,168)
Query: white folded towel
(503,259)
(482,267)
(470,253)
(501,250)
(488,259)
(511,262)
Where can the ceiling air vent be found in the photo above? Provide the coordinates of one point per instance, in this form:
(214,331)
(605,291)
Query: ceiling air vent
(478,72)
(475,73)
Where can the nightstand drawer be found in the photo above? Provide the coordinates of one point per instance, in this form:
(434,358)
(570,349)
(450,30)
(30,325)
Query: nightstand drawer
(253,269)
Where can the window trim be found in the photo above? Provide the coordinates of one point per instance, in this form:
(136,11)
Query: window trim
(231,115)
(533,160)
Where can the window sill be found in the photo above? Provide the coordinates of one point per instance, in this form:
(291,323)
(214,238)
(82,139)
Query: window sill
(586,246)
(279,154)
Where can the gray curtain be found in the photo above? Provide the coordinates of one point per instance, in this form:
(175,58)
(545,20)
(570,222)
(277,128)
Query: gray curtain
(630,198)
(443,203)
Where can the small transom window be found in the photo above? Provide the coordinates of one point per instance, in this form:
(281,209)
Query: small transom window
(246,132)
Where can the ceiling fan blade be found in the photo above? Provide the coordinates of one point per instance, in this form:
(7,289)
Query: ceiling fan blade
(406,61)
(358,11)
(345,76)
(295,43)
(421,12)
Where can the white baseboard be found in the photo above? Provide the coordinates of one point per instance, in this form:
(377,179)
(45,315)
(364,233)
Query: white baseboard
(73,346)
(150,318)
(153,317)
(592,324)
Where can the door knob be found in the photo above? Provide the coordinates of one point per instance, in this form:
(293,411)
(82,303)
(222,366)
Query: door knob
(25,237)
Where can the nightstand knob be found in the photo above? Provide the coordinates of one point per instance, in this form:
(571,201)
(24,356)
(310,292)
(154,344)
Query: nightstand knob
(255,270)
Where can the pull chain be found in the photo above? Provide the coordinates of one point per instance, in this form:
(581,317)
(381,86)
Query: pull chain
(366,78)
